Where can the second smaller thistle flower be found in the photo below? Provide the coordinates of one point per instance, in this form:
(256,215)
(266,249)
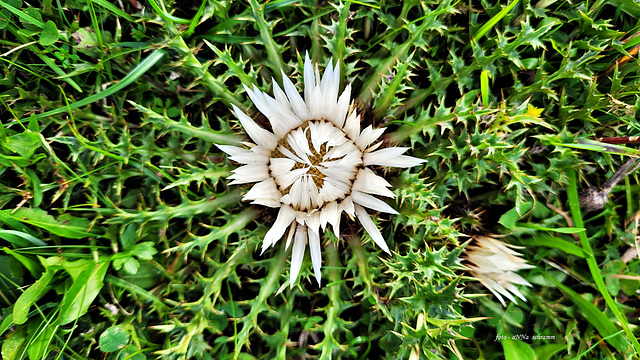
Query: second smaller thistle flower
(314,166)
(494,264)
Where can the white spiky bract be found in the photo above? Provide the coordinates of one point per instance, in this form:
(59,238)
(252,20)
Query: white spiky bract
(313,164)
(494,264)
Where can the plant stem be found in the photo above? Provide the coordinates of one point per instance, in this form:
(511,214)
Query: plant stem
(333,308)
(574,205)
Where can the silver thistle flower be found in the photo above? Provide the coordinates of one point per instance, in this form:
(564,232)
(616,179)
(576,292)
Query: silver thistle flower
(314,165)
(494,264)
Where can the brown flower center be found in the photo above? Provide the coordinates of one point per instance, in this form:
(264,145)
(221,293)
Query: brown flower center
(319,162)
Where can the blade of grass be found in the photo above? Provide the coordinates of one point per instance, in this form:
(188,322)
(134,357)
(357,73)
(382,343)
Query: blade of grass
(112,8)
(493,21)
(275,59)
(364,4)
(595,317)
(47,60)
(556,243)
(596,344)
(61,13)
(96,24)
(167,16)
(132,76)
(196,19)
(279,5)
(574,205)
(100,38)
(52,64)
(22,15)
(484,88)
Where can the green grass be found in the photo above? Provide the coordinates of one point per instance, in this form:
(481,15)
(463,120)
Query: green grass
(121,239)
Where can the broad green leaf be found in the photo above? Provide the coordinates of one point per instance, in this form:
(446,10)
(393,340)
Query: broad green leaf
(147,276)
(5,15)
(65,226)
(36,189)
(21,239)
(25,143)
(517,350)
(30,296)
(10,221)
(34,125)
(126,260)
(30,17)
(510,317)
(509,218)
(10,161)
(131,352)
(145,250)
(13,345)
(114,338)
(7,320)
(49,34)
(232,309)
(131,266)
(613,267)
(629,287)
(9,284)
(84,290)
(77,267)
(34,267)
(86,40)
(128,237)
(555,242)
(546,352)
(53,262)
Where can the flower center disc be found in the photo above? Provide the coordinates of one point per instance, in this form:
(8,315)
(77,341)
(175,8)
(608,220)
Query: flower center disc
(314,164)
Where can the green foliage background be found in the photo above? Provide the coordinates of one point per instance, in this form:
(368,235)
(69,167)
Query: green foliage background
(121,240)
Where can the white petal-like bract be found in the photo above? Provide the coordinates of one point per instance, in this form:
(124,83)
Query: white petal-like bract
(494,264)
(313,166)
